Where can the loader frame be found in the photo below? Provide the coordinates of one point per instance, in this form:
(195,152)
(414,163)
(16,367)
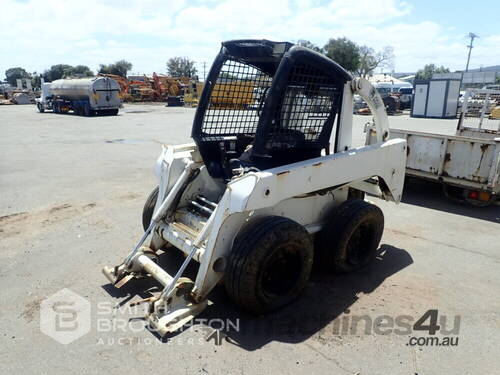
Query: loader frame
(304,191)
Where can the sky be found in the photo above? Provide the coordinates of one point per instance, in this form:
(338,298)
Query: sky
(37,34)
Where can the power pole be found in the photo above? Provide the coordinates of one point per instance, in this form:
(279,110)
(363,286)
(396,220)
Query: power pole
(204,71)
(472,36)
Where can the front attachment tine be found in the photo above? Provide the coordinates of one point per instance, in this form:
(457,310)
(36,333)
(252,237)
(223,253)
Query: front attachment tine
(124,280)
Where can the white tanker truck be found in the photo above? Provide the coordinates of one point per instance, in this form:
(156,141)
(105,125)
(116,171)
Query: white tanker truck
(84,96)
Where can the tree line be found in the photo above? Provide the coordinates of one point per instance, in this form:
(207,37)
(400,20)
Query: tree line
(357,59)
(363,60)
(58,71)
(360,60)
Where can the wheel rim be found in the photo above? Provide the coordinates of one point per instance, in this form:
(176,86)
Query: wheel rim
(282,272)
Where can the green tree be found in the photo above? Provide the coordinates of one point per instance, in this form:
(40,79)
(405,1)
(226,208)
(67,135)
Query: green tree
(120,68)
(57,71)
(13,74)
(344,52)
(428,71)
(82,71)
(181,67)
(36,80)
(66,71)
(369,60)
(310,45)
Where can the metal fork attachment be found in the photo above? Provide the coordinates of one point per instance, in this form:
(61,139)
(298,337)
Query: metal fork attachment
(175,305)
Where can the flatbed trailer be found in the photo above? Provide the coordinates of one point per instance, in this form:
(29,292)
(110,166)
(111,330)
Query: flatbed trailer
(467,163)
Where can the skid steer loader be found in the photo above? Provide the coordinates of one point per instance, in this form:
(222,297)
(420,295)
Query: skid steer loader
(270,184)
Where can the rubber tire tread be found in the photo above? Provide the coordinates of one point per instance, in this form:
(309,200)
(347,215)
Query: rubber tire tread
(149,207)
(330,251)
(238,285)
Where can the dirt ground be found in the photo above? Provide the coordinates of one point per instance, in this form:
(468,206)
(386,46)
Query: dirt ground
(71,195)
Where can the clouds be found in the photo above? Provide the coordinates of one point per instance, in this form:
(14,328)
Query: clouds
(37,34)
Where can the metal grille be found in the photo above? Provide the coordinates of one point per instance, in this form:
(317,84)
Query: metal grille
(235,101)
(309,99)
(478,108)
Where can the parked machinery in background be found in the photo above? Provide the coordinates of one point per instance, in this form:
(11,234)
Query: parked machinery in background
(405,97)
(193,92)
(170,89)
(84,96)
(161,88)
(141,90)
(124,85)
(390,99)
(391,103)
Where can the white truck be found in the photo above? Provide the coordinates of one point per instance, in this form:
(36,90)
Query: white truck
(467,163)
(83,96)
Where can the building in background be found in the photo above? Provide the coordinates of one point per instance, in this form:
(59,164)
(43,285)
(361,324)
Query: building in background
(474,78)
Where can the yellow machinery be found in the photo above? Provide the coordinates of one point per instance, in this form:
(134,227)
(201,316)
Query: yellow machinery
(495,113)
(233,95)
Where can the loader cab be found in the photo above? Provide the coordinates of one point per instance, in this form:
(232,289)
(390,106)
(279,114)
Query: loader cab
(266,104)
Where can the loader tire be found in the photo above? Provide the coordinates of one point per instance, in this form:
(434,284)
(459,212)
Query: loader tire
(149,207)
(269,264)
(350,239)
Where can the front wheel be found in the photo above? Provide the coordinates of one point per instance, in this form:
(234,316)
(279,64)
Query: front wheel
(40,107)
(269,264)
(149,208)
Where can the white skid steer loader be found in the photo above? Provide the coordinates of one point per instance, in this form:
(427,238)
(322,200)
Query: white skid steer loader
(261,193)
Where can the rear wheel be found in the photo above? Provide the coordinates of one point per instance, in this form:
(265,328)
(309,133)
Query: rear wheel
(351,236)
(269,264)
(149,208)
(86,110)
